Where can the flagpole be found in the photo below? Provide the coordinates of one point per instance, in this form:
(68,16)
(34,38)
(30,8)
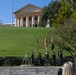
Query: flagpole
(12,14)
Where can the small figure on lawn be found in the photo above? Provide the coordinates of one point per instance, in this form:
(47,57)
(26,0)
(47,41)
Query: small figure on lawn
(46,57)
(60,57)
(54,58)
(32,59)
(39,58)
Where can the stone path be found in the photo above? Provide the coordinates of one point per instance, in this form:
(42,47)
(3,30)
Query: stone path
(28,70)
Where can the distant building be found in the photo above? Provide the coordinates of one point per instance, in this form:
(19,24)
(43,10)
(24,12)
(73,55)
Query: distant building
(28,16)
(7,25)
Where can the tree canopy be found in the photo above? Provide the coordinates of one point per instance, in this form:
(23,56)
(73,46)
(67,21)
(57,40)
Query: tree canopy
(62,15)
(49,11)
(65,36)
(57,11)
(65,12)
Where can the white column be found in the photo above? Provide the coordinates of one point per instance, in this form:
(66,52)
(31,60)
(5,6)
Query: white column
(15,21)
(38,19)
(27,20)
(18,22)
(21,22)
(33,21)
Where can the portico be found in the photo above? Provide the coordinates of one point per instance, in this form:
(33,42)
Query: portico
(28,16)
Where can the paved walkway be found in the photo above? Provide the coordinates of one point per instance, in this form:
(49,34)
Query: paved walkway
(29,70)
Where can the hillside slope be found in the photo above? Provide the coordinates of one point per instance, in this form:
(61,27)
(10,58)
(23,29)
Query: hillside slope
(18,41)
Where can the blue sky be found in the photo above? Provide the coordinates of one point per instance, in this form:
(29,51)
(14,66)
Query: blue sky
(6,7)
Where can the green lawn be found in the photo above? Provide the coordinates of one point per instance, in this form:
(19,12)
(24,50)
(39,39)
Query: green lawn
(21,40)
(18,41)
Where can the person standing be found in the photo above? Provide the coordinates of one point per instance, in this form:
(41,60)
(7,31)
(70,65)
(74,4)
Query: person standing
(46,57)
(59,71)
(68,69)
(54,58)
(60,57)
(39,59)
(32,59)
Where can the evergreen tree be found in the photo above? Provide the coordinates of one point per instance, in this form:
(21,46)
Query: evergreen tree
(49,11)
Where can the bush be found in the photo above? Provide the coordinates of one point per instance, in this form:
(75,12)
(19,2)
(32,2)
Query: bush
(17,61)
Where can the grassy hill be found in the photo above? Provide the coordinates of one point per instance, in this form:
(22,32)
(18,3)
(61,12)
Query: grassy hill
(18,41)
(21,40)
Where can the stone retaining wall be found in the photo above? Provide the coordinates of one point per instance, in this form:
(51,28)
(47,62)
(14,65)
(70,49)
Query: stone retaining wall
(28,70)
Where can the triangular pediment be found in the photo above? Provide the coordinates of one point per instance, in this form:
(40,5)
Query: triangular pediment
(29,8)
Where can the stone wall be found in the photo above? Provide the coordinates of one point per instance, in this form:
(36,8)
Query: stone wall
(28,70)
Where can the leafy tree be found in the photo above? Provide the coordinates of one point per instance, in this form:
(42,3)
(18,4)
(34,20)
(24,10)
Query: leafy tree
(49,11)
(65,36)
(44,16)
(73,15)
(73,4)
(64,13)
(68,7)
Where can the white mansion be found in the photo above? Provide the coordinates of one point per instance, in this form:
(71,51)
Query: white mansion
(28,16)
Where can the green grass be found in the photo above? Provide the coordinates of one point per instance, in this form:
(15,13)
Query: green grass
(18,41)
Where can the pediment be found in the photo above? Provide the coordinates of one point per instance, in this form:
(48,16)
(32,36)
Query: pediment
(29,8)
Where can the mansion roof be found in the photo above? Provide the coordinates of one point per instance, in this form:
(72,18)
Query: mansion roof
(28,8)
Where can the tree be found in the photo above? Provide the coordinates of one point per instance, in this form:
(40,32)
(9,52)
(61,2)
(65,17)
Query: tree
(64,13)
(68,7)
(73,4)
(65,35)
(49,11)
